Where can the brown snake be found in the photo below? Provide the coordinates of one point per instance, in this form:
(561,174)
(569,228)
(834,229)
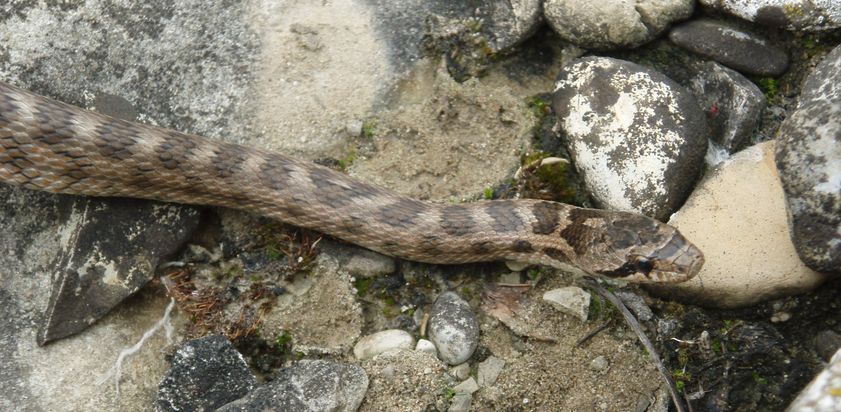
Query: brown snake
(55,147)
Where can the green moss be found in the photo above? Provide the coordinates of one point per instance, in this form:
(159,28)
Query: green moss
(362,285)
(770,88)
(488,193)
(283,342)
(716,346)
(758,378)
(681,377)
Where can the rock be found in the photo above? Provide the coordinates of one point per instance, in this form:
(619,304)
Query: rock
(426,346)
(354,128)
(636,304)
(734,48)
(504,24)
(736,216)
(613,24)
(822,393)
(377,343)
(571,300)
(309,386)
(733,105)
(809,161)
(453,328)
(461,371)
(637,137)
(460,403)
(206,373)
(360,262)
(468,386)
(489,370)
(599,364)
(827,342)
(800,15)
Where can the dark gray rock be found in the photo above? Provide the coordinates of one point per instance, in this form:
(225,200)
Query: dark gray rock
(734,48)
(309,386)
(613,24)
(827,342)
(809,161)
(788,14)
(206,373)
(733,105)
(637,137)
(109,250)
(453,328)
(636,304)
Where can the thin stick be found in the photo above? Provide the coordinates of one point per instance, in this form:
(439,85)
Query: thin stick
(632,322)
(592,333)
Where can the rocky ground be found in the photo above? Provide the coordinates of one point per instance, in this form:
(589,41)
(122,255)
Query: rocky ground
(720,117)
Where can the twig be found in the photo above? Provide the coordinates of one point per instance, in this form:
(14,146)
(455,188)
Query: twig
(592,333)
(632,322)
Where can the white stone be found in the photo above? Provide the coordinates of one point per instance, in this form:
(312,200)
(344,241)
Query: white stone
(426,346)
(737,217)
(809,15)
(571,300)
(380,342)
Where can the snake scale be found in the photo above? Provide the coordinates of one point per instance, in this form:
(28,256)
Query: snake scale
(55,147)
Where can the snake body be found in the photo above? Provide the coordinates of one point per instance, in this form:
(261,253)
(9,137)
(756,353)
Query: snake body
(52,146)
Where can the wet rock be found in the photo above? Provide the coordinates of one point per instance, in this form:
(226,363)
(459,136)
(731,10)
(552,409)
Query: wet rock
(489,370)
(733,105)
(309,386)
(827,342)
(426,346)
(637,137)
(453,328)
(734,48)
(737,217)
(613,24)
(206,373)
(788,14)
(384,341)
(809,161)
(822,393)
(571,300)
(110,249)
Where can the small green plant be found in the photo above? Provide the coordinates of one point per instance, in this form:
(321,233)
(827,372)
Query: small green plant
(681,377)
(282,342)
(770,88)
(345,163)
(539,107)
(716,346)
(449,393)
(369,127)
(362,285)
(758,378)
(488,193)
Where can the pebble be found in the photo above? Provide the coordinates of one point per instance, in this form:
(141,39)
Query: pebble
(354,128)
(206,373)
(637,137)
(372,345)
(426,346)
(571,300)
(733,105)
(599,364)
(461,371)
(309,385)
(809,161)
(453,328)
(796,15)
(613,24)
(780,317)
(737,217)
(732,47)
(468,386)
(489,370)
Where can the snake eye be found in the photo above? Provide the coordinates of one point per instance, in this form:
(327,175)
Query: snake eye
(644,265)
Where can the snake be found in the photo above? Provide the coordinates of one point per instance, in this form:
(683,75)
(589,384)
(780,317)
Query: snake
(56,147)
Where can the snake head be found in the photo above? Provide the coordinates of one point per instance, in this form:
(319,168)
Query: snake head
(643,250)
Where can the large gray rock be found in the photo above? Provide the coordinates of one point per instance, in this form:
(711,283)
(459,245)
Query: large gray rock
(613,24)
(206,373)
(453,328)
(733,105)
(637,137)
(309,386)
(801,15)
(809,160)
(730,46)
